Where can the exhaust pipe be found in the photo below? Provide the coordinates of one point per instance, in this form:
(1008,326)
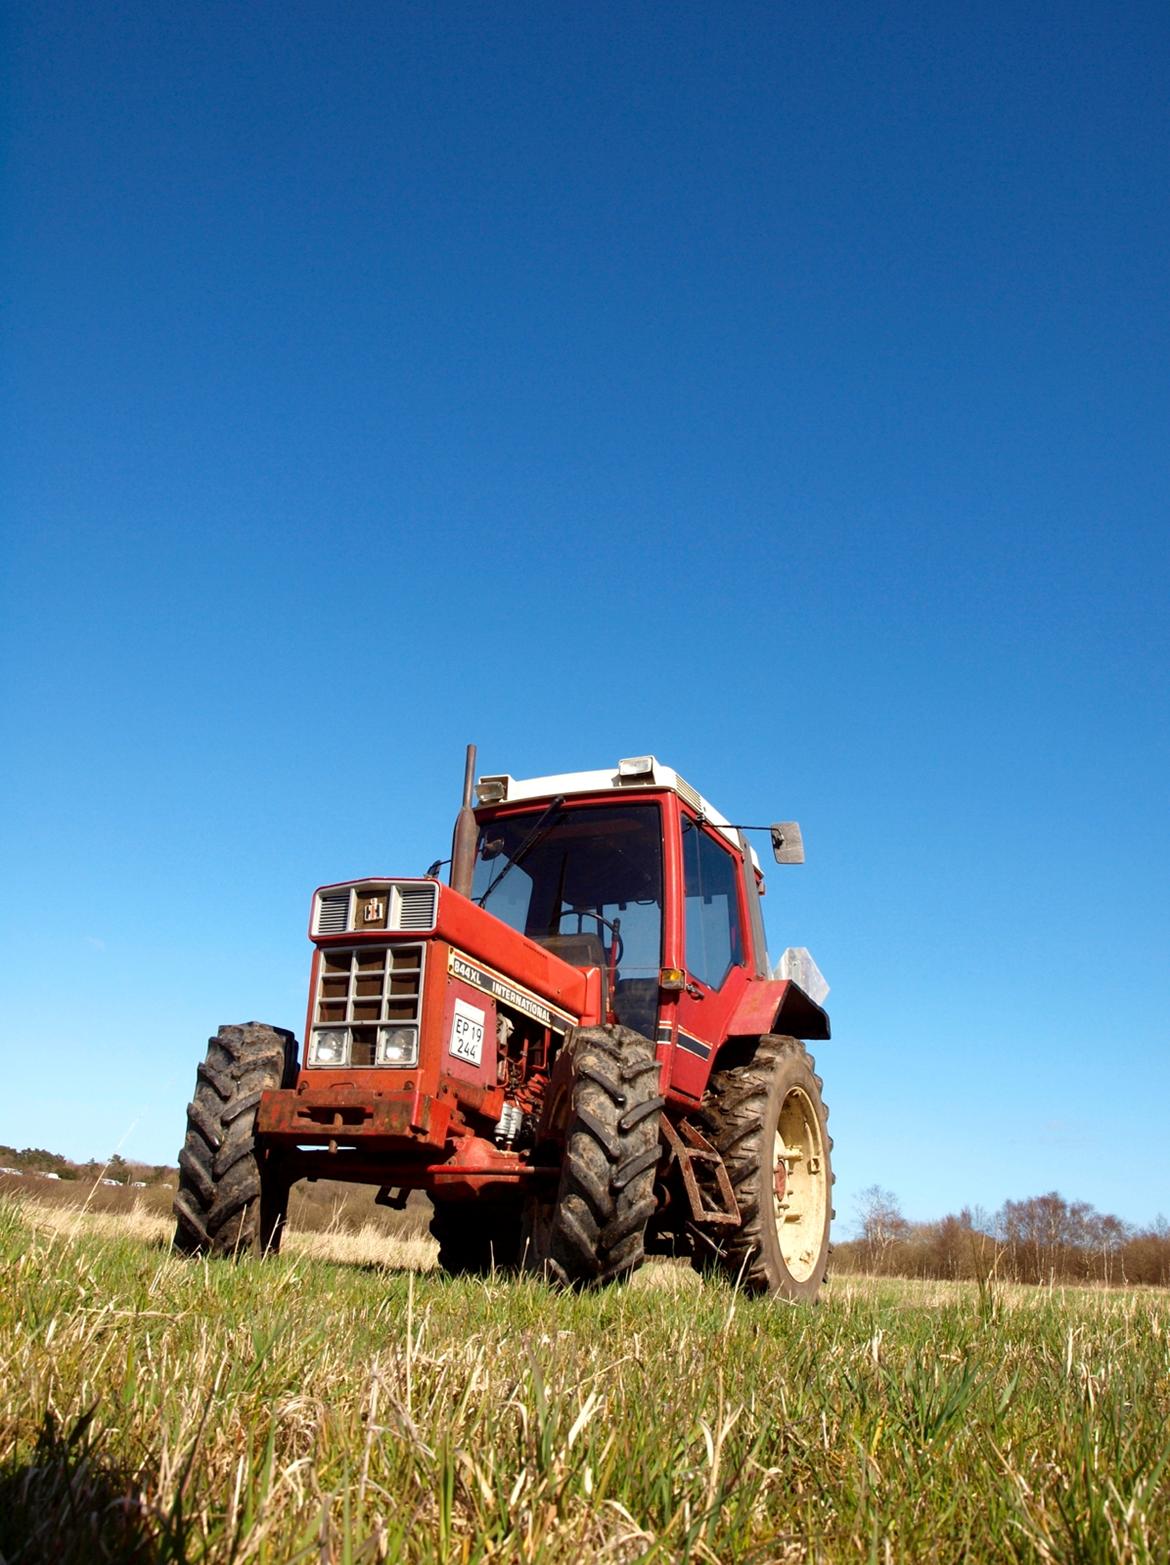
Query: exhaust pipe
(463,842)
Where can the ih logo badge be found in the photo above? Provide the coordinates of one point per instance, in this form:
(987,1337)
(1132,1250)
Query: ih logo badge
(373,910)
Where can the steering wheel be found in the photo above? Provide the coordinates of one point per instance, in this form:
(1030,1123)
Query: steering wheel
(616,945)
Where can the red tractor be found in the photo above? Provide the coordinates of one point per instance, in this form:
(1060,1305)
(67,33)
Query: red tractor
(576,1048)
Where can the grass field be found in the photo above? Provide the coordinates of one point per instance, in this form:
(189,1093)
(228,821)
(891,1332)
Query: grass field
(347,1403)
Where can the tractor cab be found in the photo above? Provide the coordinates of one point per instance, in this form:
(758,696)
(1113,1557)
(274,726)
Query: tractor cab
(633,873)
(588,887)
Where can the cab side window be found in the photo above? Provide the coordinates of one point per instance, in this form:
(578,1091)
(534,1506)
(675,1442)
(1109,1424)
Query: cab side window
(714,937)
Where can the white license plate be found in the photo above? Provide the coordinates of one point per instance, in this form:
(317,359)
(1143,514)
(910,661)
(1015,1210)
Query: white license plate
(466,1033)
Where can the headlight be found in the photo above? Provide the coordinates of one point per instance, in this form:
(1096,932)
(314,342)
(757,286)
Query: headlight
(397,1046)
(329,1046)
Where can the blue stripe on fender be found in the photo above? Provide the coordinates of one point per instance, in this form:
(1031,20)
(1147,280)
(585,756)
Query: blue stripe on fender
(693,1046)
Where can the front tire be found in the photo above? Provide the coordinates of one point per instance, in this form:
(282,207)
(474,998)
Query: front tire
(768,1120)
(605,1098)
(232,1198)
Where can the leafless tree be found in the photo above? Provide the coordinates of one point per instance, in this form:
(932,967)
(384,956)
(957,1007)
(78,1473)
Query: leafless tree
(882,1225)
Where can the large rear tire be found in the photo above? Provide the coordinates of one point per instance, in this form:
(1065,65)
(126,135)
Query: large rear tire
(604,1098)
(232,1197)
(768,1120)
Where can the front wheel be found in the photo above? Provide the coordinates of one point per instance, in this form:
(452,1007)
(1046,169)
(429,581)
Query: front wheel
(768,1120)
(232,1198)
(601,1122)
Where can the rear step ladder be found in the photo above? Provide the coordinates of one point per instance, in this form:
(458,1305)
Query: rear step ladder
(688,1147)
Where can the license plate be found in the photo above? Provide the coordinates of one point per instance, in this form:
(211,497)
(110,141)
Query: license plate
(466,1033)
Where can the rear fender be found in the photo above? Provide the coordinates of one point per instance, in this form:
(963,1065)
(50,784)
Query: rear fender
(777,1005)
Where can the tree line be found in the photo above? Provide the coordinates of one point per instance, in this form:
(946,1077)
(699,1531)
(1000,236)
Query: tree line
(1043,1239)
(38,1160)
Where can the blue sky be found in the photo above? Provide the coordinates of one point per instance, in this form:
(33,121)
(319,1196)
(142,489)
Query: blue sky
(782,390)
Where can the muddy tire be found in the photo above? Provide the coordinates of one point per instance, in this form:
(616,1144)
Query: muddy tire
(767,1118)
(231,1198)
(605,1100)
(477,1238)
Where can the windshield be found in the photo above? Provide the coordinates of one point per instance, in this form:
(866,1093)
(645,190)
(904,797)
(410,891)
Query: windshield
(588,887)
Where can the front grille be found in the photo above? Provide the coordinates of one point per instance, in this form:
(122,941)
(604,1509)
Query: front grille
(368,987)
(332,912)
(409,907)
(413,908)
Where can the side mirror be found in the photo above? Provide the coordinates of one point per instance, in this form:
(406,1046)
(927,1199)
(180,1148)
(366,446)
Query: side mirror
(787,843)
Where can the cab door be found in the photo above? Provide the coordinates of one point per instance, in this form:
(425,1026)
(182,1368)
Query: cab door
(715,945)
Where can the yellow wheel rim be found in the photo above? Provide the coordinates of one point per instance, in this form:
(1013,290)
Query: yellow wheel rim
(799,1184)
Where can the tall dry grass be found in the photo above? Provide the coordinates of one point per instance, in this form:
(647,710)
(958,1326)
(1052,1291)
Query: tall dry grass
(326,1411)
(368,1245)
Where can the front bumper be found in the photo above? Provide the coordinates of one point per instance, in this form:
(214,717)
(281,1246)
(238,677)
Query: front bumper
(400,1140)
(400,1122)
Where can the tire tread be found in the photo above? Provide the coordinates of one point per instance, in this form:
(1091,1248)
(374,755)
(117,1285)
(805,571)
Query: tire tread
(217,1206)
(606,1193)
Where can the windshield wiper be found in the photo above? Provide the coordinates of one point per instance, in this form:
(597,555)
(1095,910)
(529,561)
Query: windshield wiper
(529,842)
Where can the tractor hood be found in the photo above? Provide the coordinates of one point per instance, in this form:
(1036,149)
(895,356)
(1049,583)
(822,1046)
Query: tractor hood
(372,909)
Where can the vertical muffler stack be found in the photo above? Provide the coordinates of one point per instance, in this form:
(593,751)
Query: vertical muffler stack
(463,842)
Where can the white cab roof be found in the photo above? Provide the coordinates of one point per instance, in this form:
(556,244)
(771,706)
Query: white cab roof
(499,788)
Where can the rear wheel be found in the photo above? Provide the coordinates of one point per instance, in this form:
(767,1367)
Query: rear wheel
(477,1237)
(769,1122)
(232,1197)
(604,1100)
